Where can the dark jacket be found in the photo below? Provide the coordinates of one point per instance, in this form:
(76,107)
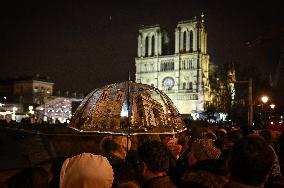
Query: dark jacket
(160,181)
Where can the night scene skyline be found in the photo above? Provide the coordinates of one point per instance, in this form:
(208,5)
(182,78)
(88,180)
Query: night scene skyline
(217,114)
(85,45)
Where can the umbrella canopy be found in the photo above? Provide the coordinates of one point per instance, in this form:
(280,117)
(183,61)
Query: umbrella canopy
(127,108)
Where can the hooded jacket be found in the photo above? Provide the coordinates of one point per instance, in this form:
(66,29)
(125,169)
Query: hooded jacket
(86,171)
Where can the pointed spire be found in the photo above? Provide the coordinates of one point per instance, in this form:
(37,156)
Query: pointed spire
(202,17)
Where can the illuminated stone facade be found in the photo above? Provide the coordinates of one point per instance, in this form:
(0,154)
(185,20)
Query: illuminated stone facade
(33,91)
(183,75)
(27,90)
(57,109)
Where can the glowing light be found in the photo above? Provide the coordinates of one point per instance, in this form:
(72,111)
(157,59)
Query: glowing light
(264,99)
(14,113)
(124,113)
(31,108)
(195,116)
(272,106)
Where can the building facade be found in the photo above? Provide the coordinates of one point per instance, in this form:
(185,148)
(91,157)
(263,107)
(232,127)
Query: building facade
(27,90)
(182,75)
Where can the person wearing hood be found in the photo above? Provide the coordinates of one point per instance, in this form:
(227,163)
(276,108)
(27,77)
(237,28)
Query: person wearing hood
(86,171)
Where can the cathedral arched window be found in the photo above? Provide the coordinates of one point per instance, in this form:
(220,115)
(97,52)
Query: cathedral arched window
(153,45)
(162,67)
(190,85)
(184,41)
(163,45)
(191,41)
(146,45)
(183,85)
(167,66)
(183,64)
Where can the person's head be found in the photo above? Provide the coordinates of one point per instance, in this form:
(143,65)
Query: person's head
(209,134)
(154,157)
(203,149)
(115,145)
(184,137)
(174,147)
(222,133)
(86,170)
(250,161)
(147,137)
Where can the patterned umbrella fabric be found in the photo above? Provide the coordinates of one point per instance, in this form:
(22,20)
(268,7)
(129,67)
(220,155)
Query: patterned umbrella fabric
(127,108)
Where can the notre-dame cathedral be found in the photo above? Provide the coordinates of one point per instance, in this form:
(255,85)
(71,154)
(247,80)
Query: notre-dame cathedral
(184,74)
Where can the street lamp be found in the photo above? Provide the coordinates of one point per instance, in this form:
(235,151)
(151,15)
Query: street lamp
(272,106)
(264,100)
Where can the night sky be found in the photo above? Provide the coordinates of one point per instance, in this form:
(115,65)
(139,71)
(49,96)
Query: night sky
(84,45)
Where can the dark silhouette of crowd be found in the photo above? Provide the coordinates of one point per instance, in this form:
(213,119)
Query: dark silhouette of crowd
(200,157)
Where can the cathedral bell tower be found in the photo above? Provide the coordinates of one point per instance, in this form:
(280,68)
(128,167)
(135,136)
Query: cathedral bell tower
(183,74)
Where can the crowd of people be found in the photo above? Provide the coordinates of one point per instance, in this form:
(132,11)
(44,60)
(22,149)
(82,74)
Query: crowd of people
(202,157)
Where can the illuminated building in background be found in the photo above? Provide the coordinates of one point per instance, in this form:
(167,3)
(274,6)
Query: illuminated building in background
(32,90)
(19,95)
(183,75)
(57,110)
(33,97)
(231,79)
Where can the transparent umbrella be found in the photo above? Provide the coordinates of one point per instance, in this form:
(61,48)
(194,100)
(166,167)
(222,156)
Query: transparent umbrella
(127,108)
